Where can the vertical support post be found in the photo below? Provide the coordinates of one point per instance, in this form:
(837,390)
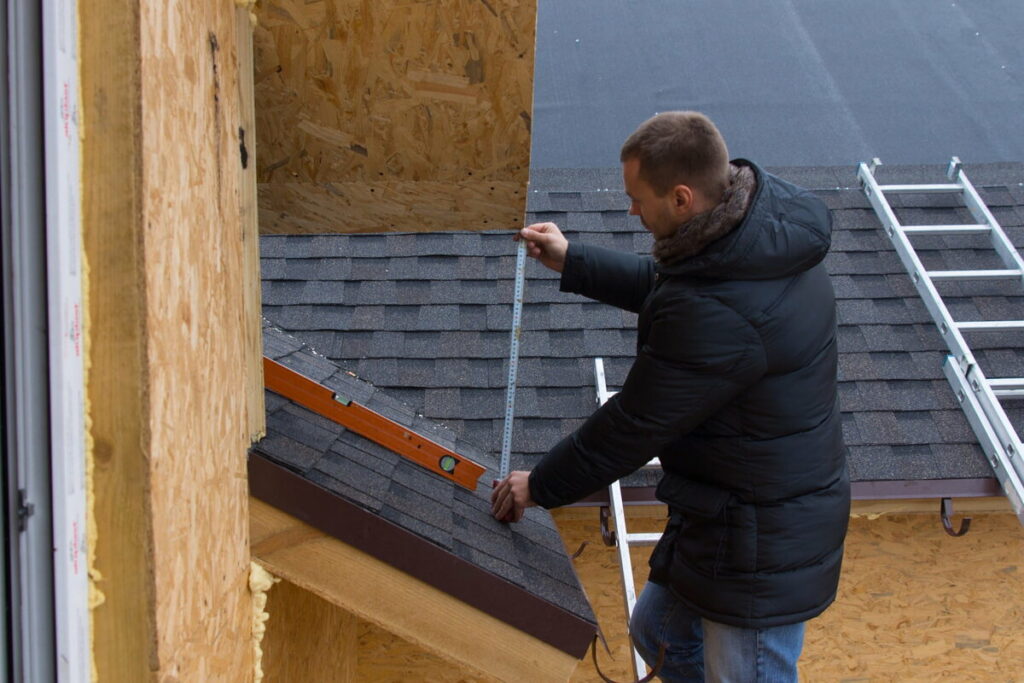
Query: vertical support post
(249,225)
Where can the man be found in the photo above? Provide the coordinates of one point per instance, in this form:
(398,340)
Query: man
(733,388)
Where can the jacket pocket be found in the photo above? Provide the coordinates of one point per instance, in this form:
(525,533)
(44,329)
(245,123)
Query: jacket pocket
(714,528)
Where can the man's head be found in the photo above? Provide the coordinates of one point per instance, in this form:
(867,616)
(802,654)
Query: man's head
(674,166)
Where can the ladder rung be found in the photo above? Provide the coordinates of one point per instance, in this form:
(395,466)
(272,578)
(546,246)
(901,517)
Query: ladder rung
(1009,393)
(1002,274)
(946,187)
(642,539)
(946,229)
(992,325)
(1008,387)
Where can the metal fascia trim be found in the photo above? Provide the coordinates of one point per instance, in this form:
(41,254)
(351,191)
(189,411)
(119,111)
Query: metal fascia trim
(860,490)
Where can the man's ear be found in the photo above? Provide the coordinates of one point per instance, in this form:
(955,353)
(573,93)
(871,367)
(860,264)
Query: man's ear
(682,196)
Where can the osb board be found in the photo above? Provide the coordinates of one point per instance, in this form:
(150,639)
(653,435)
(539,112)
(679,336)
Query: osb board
(342,207)
(914,604)
(307,638)
(192,259)
(427,103)
(124,625)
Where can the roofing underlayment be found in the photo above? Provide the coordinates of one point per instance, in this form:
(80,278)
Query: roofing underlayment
(792,82)
(405,515)
(425,317)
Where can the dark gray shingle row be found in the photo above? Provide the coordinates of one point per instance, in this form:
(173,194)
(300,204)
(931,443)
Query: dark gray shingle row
(428,317)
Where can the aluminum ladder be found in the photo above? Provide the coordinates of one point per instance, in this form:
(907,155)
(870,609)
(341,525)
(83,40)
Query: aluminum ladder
(622,538)
(978,395)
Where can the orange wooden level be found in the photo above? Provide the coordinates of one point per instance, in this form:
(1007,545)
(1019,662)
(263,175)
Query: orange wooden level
(371,424)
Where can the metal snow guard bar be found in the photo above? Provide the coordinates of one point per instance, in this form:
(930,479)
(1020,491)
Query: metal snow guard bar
(371,424)
(977,394)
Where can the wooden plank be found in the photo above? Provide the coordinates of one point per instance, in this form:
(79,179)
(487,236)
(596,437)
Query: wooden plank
(308,638)
(426,106)
(398,603)
(249,221)
(124,629)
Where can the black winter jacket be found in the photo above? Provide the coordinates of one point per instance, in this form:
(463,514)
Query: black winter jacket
(734,389)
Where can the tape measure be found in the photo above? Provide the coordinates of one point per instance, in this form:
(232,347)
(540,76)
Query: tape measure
(513,360)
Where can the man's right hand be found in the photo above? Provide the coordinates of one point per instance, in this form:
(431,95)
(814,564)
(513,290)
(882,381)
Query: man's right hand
(544,242)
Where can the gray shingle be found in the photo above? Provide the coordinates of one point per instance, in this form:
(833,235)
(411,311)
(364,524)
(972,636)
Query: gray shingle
(288,452)
(346,491)
(446,299)
(354,474)
(418,506)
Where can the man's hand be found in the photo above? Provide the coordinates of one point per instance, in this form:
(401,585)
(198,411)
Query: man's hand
(544,242)
(511,496)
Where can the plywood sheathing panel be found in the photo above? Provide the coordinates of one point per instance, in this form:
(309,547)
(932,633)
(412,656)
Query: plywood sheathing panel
(307,638)
(195,324)
(393,114)
(395,601)
(124,627)
(914,604)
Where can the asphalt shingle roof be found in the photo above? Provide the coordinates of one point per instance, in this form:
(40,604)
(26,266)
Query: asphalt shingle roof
(426,317)
(529,554)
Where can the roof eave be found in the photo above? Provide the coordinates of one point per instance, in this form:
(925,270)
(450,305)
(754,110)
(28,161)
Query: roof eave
(417,557)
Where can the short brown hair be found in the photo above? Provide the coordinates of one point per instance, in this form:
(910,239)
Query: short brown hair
(680,147)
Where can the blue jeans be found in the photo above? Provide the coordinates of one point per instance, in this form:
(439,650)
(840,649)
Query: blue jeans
(700,650)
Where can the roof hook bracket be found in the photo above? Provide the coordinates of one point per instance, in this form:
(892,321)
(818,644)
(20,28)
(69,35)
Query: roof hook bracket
(946,512)
(954,168)
(607,534)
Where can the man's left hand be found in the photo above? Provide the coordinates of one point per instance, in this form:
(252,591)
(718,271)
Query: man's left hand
(511,496)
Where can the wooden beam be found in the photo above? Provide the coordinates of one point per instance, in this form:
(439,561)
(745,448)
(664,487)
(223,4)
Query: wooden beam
(167,383)
(393,115)
(124,629)
(308,638)
(407,607)
(250,233)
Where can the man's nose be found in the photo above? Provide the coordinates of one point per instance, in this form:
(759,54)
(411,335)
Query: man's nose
(633,211)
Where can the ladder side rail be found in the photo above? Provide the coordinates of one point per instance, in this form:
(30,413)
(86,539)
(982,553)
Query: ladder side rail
(626,569)
(991,444)
(1000,241)
(622,536)
(925,287)
(997,419)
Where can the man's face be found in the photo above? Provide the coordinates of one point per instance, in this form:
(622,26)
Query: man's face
(661,216)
